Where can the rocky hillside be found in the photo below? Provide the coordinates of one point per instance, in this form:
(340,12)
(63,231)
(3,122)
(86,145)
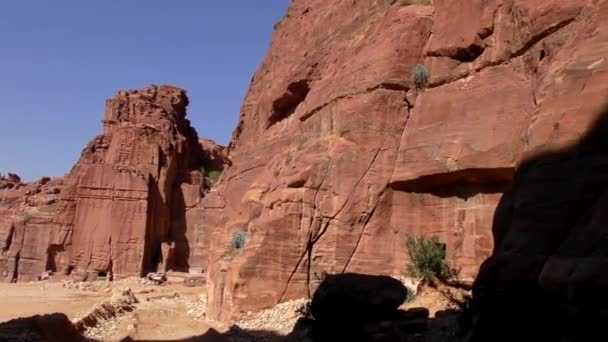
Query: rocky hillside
(123,210)
(340,154)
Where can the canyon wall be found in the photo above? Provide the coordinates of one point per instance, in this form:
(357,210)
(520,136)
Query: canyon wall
(338,157)
(123,208)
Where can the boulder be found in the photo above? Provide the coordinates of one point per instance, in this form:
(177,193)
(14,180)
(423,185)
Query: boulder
(357,297)
(41,328)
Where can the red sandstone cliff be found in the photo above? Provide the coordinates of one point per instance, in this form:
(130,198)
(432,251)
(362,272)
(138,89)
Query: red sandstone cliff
(337,158)
(123,208)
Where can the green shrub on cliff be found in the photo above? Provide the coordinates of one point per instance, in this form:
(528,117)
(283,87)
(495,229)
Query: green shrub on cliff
(211,175)
(427,260)
(420,76)
(239,239)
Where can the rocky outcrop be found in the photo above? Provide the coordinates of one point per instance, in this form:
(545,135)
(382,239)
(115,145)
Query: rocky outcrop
(26,213)
(338,158)
(358,307)
(215,157)
(122,209)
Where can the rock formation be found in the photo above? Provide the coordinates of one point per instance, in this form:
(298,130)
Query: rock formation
(338,157)
(122,209)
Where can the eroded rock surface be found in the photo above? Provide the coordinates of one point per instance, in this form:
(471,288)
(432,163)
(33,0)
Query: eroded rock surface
(122,210)
(337,158)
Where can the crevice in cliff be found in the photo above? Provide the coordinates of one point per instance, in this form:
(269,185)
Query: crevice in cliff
(409,108)
(387,85)
(310,240)
(462,54)
(463,184)
(9,239)
(308,267)
(241,172)
(371,164)
(287,104)
(295,270)
(368,217)
(542,35)
(350,195)
(532,41)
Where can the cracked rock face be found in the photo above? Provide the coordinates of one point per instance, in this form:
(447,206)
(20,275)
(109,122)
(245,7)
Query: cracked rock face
(337,159)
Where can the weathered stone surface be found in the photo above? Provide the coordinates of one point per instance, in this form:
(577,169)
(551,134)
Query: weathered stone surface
(122,205)
(337,159)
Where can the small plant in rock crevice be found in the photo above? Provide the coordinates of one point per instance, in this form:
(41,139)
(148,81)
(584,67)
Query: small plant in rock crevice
(237,243)
(420,76)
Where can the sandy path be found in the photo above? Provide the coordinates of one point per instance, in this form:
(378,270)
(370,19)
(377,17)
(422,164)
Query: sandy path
(23,300)
(162,313)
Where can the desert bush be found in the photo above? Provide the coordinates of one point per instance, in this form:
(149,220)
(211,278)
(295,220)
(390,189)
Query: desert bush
(420,76)
(239,239)
(427,260)
(414,2)
(211,176)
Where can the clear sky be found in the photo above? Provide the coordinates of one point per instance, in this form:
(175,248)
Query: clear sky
(61,59)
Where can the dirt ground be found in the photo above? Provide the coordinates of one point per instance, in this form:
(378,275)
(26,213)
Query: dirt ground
(160,309)
(168,312)
(23,300)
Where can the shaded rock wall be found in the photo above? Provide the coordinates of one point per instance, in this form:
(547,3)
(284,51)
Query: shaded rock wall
(337,158)
(122,209)
(545,280)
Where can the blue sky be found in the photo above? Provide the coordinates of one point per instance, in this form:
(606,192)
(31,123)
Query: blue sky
(60,60)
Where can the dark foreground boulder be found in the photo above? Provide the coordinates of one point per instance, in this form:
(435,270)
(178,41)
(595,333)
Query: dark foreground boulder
(357,297)
(40,328)
(359,307)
